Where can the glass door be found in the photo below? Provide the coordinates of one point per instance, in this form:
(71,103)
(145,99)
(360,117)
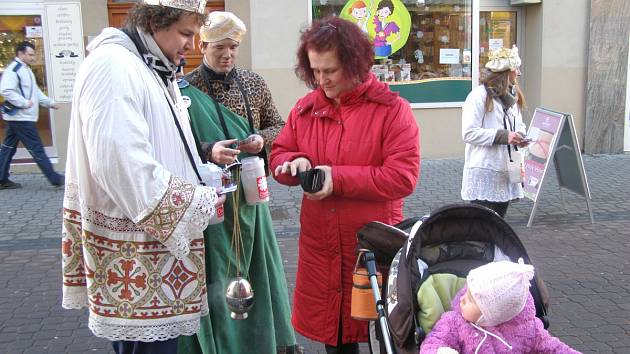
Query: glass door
(496,29)
(13,30)
(499,25)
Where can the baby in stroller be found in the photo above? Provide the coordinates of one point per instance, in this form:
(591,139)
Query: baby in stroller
(493,313)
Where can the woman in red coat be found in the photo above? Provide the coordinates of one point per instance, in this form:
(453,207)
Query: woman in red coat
(366,141)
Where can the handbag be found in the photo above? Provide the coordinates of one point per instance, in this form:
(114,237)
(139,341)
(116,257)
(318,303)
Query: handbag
(8,107)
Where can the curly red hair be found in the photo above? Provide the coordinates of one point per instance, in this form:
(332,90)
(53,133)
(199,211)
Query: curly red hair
(354,49)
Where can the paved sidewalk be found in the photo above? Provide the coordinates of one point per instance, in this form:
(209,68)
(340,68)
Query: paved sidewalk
(586,266)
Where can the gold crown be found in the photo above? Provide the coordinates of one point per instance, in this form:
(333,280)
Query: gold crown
(503,59)
(221,25)
(198,6)
(503,53)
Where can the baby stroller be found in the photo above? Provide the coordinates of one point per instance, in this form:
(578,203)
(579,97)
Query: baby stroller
(428,265)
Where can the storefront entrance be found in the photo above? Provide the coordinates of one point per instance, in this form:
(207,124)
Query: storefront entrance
(13,30)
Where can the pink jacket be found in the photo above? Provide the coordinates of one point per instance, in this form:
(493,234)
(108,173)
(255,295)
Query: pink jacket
(524,333)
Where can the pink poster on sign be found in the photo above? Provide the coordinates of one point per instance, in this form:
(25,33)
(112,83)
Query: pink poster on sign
(543,131)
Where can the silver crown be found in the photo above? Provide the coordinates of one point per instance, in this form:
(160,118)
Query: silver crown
(187,5)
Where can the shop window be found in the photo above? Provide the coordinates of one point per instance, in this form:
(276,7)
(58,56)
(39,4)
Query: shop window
(423,48)
(13,30)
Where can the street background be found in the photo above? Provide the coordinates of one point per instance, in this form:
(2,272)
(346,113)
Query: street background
(586,266)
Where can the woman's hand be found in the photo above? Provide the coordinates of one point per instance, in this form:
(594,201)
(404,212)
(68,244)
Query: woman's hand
(327,187)
(254,143)
(515,138)
(222,154)
(300,164)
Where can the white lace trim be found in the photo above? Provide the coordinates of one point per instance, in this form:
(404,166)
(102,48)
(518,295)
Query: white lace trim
(193,222)
(490,185)
(74,298)
(71,196)
(147,333)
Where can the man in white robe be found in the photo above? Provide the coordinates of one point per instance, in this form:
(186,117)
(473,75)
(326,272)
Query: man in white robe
(134,209)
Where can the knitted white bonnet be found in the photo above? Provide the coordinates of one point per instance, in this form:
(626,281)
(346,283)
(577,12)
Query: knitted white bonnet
(500,290)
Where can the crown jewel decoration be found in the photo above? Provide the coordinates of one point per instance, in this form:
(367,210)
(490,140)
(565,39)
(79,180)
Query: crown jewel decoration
(503,59)
(503,53)
(198,6)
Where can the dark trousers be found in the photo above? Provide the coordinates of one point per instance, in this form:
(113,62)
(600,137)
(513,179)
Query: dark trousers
(499,207)
(346,348)
(26,132)
(161,347)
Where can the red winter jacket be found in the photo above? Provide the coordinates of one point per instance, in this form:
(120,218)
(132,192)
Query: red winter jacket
(371,141)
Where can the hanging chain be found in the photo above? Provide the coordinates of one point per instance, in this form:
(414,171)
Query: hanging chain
(237,237)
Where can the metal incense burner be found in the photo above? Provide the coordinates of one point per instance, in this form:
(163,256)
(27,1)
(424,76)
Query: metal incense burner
(239,297)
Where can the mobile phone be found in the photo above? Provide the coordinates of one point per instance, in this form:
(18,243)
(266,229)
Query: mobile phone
(228,189)
(526,139)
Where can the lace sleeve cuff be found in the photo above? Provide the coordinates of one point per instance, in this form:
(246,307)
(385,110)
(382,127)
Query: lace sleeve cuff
(181,216)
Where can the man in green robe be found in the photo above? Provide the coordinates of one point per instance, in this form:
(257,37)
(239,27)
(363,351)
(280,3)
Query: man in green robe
(267,329)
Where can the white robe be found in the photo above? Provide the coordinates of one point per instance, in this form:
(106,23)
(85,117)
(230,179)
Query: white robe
(133,248)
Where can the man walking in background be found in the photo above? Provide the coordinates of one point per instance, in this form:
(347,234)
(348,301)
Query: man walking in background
(20,109)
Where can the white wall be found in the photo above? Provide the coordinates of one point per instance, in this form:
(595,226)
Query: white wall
(564,49)
(275,34)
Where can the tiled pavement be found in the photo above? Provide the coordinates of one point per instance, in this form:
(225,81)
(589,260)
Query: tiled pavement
(586,266)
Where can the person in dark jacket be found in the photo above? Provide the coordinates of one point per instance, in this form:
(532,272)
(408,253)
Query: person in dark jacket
(365,141)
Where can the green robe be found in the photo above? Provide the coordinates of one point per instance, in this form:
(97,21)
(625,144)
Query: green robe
(267,328)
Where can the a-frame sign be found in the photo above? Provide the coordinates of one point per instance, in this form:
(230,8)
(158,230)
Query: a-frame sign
(553,138)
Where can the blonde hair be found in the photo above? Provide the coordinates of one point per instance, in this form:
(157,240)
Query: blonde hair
(498,84)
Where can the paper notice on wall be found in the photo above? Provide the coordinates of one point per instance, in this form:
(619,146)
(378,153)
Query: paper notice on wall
(466,56)
(495,43)
(449,56)
(65,46)
(33,31)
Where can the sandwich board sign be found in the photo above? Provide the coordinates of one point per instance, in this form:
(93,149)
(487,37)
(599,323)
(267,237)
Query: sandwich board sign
(553,138)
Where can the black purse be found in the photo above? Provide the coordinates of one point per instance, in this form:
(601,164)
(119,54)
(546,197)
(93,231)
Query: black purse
(312,180)
(7,107)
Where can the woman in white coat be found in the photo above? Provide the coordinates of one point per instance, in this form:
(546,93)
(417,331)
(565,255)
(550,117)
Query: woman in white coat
(493,130)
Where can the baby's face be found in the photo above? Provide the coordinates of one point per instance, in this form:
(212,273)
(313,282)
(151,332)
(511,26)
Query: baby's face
(468,307)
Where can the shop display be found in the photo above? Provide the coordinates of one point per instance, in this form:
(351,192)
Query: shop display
(439,38)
